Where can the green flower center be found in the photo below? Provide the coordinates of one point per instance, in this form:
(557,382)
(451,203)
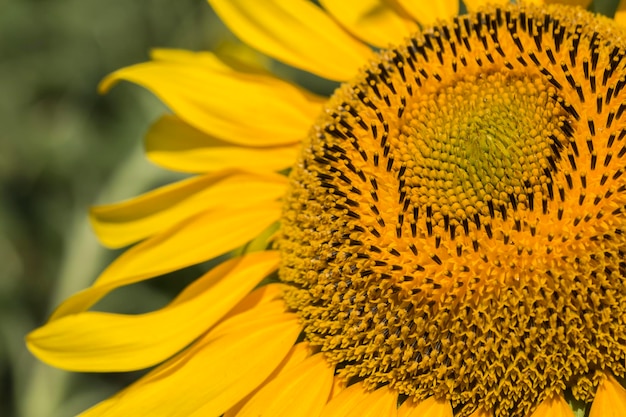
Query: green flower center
(455,224)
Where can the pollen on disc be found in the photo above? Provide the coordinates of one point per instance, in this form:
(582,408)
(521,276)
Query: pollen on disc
(454,226)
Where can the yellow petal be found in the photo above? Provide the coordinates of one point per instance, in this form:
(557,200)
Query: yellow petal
(430,407)
(429,12)
(610,399)
(339,384)
(250,109)
(296,355)
(553,407)
(102,342)
(374,21)
(175,145)
(195,240)
(355,401)
(300,391)
(256,298)
(214,373)
(296,32)
(473,5)
(121,224)
(620,13)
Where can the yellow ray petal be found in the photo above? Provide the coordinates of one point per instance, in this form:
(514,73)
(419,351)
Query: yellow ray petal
(213,374)
(374,21)
(429,12)
(250,109)
(102,342)
(430,407)
(355,401)
(620,13)
(300,391)
(610,399)
(175,145)
(339,384)
(553,407)
(121,224)
(195,240)
(256,298)
(473,5)
(296,32)
(296,355)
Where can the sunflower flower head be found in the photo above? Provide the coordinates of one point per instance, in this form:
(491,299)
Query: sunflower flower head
(453,227)
(451,236)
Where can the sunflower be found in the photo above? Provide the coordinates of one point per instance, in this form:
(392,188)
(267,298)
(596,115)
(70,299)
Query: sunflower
(443,236)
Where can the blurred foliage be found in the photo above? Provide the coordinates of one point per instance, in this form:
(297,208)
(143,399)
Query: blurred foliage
(62,148)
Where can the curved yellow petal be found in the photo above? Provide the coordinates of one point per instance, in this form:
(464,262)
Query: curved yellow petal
(473,5)
(429,12)
(258,297)
(374,21)
(620,13)
(553,407)
(296,355)
(175,145)
(213,374)
(195,240)
(430,407)
(339,384)
(356,401)
(246,108)
(610,399)
(102,342)
(300,391)
(121,224)
(296,32)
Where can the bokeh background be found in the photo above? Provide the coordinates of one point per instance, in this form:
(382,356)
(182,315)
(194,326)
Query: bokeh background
(63,148)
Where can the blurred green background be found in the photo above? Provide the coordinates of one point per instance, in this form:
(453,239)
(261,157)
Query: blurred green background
(63,148)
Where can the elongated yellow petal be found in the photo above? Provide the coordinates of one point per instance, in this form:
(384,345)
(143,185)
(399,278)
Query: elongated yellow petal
(296,32)
(97,342)
(355,401)
(374,21)
(339,384)
(430,407)
(258,297)
(121,224)
(610,399)
(213,374)
(553,407)
(296,355)
(429,12)
(237,107)
(198,239)
(473,5)
(175,145)
(620,13)
(300,391)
